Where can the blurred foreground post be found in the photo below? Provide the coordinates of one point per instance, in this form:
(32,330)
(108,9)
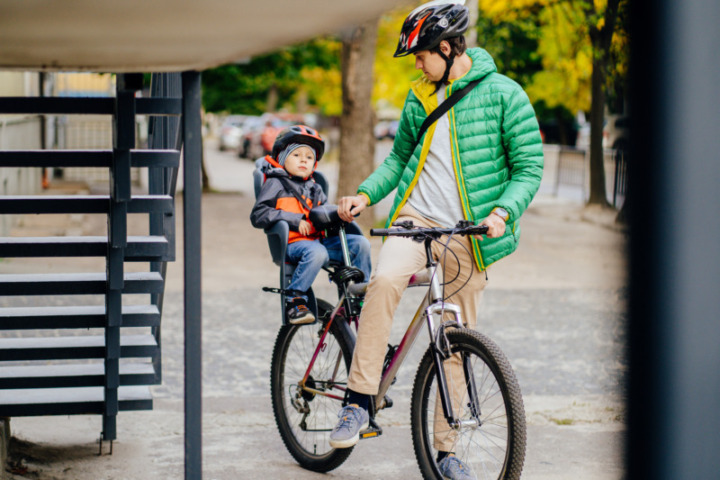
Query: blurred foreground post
(674,385)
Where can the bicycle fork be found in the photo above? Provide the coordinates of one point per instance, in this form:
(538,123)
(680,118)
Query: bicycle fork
(441,352)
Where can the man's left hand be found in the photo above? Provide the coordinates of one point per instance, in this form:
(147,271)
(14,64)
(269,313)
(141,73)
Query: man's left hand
(495,224)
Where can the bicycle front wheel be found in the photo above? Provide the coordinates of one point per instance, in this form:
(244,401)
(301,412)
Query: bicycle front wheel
(486,399)
(306,416)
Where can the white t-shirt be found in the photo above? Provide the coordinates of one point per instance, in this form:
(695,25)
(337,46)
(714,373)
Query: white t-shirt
(436,195)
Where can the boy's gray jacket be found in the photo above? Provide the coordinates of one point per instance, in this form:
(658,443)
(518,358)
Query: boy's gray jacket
(496,151)
(275,202)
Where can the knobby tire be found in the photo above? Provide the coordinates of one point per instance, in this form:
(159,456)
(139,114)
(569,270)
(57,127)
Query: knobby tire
(495,449)
(294,347)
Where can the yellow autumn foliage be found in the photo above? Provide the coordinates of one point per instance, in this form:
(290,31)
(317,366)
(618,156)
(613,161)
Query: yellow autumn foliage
(392,75)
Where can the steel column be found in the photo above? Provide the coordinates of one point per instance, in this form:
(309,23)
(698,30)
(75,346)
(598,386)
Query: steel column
(192,184)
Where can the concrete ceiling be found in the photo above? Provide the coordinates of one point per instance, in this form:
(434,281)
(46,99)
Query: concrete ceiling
(164,35)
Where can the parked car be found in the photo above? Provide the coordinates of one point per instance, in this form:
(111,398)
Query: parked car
(385,129)
(231,132)
(381,129)
(250,139)
(615,133)
(392,128)
(562,132)
(259,139)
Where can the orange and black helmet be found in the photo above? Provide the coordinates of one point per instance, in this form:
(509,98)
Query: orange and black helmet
(299,134)
(430,24)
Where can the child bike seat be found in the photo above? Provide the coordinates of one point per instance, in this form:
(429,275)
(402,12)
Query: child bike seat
(277,237)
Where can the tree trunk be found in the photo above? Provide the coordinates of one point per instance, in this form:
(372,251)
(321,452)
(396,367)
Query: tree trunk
(600,40)
(597,113)
(357,142)
(272,99)
(471,34)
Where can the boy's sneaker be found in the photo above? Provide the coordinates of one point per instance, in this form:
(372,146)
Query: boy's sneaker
(352,421)
(452,468)
(298,313)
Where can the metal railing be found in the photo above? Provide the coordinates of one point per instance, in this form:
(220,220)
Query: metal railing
(568,173)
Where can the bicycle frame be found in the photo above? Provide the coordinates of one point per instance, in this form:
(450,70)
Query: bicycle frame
(341,306)
(320,346)
(429,312)
(431,309)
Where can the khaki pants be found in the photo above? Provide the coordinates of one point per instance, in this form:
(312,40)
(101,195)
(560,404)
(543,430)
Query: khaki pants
(399,259)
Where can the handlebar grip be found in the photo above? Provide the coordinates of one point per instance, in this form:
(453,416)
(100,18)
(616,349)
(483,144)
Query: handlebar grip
(379,232)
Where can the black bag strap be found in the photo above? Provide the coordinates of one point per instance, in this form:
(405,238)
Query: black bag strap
(443,108)
(288,186)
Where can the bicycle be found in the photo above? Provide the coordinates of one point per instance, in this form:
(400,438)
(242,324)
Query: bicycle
(478,393)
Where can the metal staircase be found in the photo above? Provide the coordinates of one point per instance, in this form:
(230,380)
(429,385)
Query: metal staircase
(60,357)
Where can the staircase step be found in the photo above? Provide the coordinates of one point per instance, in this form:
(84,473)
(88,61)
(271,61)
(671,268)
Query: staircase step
(76,283)
(75,347)
(86,158)
(58,105)
(139,248)
(56,158)
(34,318)
(21,204)
(87,105)
(69,401)
(61,376)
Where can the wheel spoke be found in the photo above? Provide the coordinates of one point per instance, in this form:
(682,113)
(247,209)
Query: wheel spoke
(306,416)
(492,447)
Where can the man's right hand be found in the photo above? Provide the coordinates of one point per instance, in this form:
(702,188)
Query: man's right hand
(348,207)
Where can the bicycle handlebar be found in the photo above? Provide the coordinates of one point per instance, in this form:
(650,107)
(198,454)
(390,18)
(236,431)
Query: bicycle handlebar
(407,229)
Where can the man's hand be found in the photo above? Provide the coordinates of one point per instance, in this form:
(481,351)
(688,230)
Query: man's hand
(305,228)
(495,224)
(348,207)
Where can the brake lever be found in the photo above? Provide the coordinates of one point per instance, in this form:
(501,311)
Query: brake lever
(408,224)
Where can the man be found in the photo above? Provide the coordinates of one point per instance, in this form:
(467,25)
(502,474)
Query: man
(481,161)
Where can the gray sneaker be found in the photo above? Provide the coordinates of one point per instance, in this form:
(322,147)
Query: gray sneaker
(452,468)
(352,421)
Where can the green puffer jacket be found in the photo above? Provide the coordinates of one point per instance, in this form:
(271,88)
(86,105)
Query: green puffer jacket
(496,151)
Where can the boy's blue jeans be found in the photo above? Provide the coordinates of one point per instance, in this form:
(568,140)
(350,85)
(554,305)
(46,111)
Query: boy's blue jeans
(311,255)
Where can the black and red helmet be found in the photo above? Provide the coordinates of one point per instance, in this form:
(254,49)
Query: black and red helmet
(430,24)
(299,134)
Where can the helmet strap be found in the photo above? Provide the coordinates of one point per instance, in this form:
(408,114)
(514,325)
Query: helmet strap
(448,65)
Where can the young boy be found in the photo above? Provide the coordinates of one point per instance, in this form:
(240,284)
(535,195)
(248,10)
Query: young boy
(288,194)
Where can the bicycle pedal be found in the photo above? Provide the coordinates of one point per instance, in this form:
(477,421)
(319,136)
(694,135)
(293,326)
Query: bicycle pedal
(374,430)
(386,402)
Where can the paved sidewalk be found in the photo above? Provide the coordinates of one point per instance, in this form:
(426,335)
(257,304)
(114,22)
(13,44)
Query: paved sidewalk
(556,307)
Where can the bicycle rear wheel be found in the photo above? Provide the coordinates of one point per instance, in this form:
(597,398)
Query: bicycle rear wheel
(492,442)
(306,419)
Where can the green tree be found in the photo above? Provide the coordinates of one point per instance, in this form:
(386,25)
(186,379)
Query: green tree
(392,75)
(577,44)
(273,80)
